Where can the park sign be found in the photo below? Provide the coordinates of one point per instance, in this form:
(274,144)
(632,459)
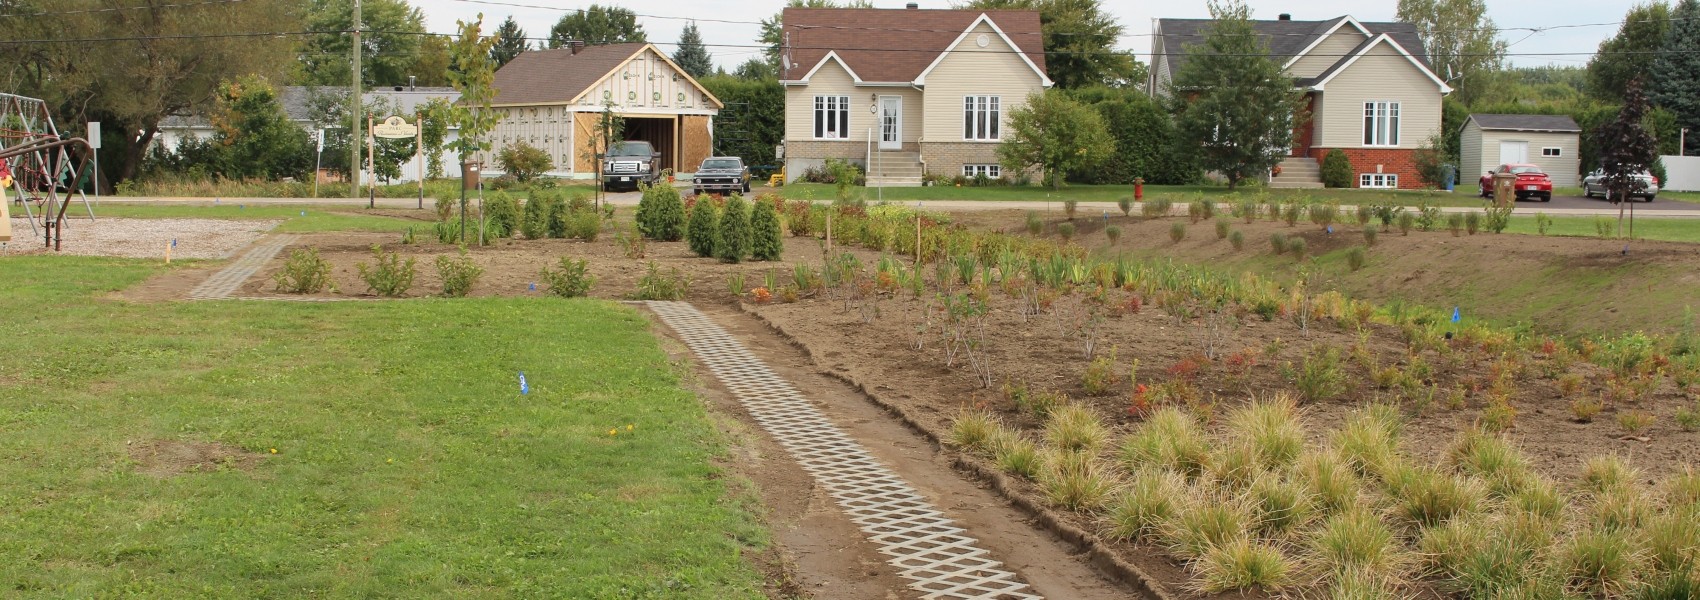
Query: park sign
(395,128)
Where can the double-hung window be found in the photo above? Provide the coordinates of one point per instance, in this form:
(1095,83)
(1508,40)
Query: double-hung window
(832,117)
(980,117)
(1381,123)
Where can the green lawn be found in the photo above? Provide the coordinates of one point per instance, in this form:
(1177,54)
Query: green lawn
(1669,230)
(298,219)
(1112,193)
(407,462)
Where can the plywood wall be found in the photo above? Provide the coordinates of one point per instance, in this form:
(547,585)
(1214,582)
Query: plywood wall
(698,141)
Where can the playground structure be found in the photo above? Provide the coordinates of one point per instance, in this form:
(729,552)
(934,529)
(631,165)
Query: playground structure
(37,164)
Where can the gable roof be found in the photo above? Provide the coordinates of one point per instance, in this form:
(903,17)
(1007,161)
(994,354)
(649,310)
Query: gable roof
(1287,40)
(1317,83)
(896,45)
(1539,123)
(559,75)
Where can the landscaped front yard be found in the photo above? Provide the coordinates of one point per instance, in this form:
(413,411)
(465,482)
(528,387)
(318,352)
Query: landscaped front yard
(350,449)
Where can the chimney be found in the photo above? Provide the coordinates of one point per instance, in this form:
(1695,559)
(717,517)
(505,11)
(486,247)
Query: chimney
(575,45)
(1285,17)
(912,6)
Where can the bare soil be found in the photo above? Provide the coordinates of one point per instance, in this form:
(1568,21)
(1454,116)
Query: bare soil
(169,458)
(143,238)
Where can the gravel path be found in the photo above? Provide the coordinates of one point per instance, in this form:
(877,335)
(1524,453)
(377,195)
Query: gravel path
(144,238)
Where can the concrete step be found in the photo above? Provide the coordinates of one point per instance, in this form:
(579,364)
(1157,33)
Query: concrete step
(894,182)
(889,172)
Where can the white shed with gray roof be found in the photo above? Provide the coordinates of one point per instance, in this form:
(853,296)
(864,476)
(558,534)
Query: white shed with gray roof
(1553,142)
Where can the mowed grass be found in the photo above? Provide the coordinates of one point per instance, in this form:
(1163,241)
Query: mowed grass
(1646,228)
(297,219)
(1112,193)
(407,462)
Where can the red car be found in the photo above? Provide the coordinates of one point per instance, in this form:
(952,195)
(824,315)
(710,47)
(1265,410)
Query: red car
(1532,182)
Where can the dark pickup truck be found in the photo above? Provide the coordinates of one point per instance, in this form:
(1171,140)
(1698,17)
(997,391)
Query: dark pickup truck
(723,175)
(629,164)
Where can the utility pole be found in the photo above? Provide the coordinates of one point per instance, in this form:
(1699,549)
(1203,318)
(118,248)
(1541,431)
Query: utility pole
(354,109)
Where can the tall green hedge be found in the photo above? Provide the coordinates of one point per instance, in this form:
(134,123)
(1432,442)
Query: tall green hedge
(661,213)
(1146,144)
(703,228)
(733,243)
(766,243)
(1336,169)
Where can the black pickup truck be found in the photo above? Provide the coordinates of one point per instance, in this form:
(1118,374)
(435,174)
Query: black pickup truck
(723,175)
(629,164)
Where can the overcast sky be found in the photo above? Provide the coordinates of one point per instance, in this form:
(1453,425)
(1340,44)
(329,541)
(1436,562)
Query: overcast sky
(729,26)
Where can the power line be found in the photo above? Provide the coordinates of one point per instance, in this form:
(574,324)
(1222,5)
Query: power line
(118,9)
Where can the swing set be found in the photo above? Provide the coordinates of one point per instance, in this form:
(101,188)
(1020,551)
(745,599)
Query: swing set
(40,168)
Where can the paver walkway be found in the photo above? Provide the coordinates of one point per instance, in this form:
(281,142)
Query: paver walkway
(231,277)
(938,558)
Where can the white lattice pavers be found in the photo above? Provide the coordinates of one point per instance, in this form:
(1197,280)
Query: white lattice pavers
(938,558)
(222,283)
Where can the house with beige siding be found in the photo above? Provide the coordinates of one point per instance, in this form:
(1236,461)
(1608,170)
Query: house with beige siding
(1368,87)
(1551,142)
(554,100)
(905,92)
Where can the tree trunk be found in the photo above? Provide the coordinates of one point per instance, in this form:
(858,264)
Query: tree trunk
(135,150)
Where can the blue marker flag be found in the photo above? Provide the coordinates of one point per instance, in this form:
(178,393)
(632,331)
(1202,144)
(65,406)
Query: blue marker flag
(523,388)
(1455,315)
(533,286)
(1330,230)
(303,213)
(173,243)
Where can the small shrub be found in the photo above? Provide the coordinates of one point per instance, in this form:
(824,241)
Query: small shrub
(1472,222)
(1035,225)
(1585,409)
(1633,421)
(1069,207)
(1407,221)
(1126,204)
(1688,418)
(1222,229)
(523,161)
(458,273)
(572,280)
(1370,235)
(1114,233)
(702,230)
(661,213)
(732,244)
(534,223)
(1498,416)
(584,226)
(1292,213)
(392,277)
(1040,404)
(1156,207)
(559,222)
(658,285)
(1364,213)
(1074,428)
(1321,377)
(1065,231)
(1237,240)
(1177,232)
(407,237)
(1455,223)
(1603,227)
(766,244)
(1016,454)
(1324,214)
(1074,480)
(1101,375)
(1542,223)
(1243,564)
(1298,248)
(1356,258)
(973,430)
(1278,243)
(1148,501)
(501,213)
(1336,169)
(304,273)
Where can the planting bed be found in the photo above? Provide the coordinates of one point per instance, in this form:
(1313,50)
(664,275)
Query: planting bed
(1207,346)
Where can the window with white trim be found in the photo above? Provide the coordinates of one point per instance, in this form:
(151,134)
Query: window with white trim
(1381,123)
(1385,181)
(1552,152)
(990,171)
(980,117)
(832,117)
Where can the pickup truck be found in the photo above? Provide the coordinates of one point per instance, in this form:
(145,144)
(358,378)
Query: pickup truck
(630,163)
(723,174)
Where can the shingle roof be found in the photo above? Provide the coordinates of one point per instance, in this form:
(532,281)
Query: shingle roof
(1284,38)
(894,45)
(558,75)
(1553,123)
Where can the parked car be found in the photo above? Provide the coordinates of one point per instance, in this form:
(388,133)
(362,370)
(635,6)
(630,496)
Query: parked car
(723,174)
(630,163)
(1646,186)
(1532,182)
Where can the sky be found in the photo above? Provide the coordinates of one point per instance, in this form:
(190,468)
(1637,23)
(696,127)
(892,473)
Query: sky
(729,27)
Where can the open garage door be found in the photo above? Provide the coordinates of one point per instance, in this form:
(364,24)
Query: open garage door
(660,132)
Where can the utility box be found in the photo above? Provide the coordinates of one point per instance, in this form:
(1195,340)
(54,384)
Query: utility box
(1504,189)
(469,174)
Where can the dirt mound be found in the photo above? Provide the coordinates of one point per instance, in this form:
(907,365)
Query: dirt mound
(168,458)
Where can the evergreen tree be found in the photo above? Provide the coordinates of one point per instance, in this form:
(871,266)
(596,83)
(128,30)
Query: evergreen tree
(1240,105)
(700,234)
(597,25)
(535,225)
(660,213)
(764,227)
(1630,52)
(692,56)
(1676,70)
(510,42)
(733,243)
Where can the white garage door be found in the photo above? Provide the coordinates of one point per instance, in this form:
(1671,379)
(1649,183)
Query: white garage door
(1513,152)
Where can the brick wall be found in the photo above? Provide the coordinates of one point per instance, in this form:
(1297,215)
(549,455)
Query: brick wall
(947,158)
(1392,160)
(802,155)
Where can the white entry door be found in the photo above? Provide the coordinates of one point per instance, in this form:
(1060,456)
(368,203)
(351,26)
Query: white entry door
(891,122)
(1513,152)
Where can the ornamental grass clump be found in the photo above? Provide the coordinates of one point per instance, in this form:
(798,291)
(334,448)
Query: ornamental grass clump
(1073,428)
(1298,247)
(1356,258)
(1278,243)
(1114,233)
(1222,229)
(1331,482)
(1271,429)
(1599,563)
(1035,225)
(1237,240)
(1357,541)
(1426,497)
(1074,480)
(1279,505)
(1203,522)
(1493,459)
(1015,454)
(973,430)
(1065,230)
(1607,472)
(1169,439)
(1147,501)
(1245,564)
(1177,232)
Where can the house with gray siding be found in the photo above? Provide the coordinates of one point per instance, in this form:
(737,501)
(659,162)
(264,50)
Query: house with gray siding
(906,92)
(1367,85)
(1552,142)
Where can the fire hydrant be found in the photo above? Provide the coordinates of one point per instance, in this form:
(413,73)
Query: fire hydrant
(1139,188)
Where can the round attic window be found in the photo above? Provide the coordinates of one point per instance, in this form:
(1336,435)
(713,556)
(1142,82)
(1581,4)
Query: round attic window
(983,40)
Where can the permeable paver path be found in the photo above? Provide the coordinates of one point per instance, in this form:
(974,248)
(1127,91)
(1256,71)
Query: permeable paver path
(227,280)
(938,558)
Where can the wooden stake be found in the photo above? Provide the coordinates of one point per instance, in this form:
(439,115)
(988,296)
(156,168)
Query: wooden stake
(829,233)
(917,239)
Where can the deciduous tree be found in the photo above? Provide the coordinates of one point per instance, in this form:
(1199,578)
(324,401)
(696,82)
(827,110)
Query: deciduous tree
(1630,52)
(1080,42)
(1232,100)
(692,56)
(597,25)
(1464,48)
(1628,148)
(472,73)
(1056,134)
(391,39)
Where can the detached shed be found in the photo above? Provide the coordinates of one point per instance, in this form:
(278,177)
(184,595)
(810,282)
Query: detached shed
(1553,142)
